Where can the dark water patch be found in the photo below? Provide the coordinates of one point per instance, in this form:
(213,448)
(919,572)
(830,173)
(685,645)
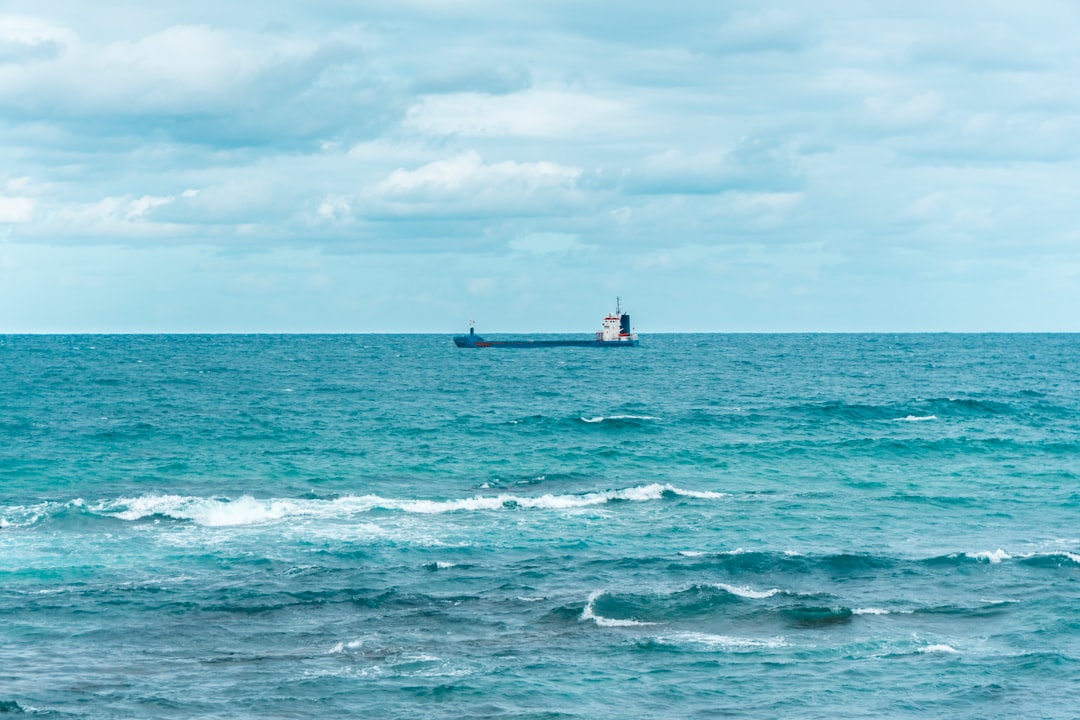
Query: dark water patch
(837,566)
(811,616)
(968,612)
(325,497)
(971,407)
(1052,561)
(350,554)
(685,604)
(440,693)
(128,431)
(933,500)
(10,707)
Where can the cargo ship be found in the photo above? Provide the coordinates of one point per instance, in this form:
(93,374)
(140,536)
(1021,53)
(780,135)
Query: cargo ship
(615,332)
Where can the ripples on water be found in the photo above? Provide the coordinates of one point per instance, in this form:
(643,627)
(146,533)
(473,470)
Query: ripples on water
(388,526)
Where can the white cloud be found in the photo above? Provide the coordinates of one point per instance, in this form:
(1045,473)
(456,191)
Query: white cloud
(541,113)
(905,113)
(468,174)
(30,40)
(16,209)
(547,243)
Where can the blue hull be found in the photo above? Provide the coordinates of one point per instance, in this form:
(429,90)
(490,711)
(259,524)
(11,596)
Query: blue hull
(475,341)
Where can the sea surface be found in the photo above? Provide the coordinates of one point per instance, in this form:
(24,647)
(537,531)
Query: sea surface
(386,526)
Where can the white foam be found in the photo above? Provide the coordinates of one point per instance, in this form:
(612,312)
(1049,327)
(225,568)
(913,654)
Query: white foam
(745,591)
(210,512)
(995,556)
(443,565)
(870,611)
(247,510)
(343,646)
(602,418)
(589,613)
(548,501)
(916,418)
(723,641)
(939,648)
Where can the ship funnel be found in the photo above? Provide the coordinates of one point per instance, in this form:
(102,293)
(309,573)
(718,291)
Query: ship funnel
(624,324)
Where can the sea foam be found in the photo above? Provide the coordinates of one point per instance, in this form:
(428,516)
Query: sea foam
(603,418)
(247,510)
(745,591)
(720,641)
(994,556)
(589,613)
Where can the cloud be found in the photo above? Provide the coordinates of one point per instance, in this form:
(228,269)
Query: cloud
(16,209)
(200,84)
(28,40)
(540,113)
(707,142)
(547,243)
(773,30)
(753,164)
(892,114)
(466,185)
(472,77)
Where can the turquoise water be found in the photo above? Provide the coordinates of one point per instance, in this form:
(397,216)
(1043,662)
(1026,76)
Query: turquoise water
(755,526)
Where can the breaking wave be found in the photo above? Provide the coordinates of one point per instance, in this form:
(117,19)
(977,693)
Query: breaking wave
(617,418)
(248,510)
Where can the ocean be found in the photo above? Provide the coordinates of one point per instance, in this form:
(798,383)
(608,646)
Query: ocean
(386,526)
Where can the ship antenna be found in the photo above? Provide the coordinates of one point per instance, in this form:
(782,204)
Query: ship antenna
(618,305)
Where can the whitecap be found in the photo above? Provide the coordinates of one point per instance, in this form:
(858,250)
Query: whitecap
(602,418)
(916,418)
(745,591)
(589,613)
(723,641)
(939,648)
(994,557)
(210,512)
(343,646)
(247,510)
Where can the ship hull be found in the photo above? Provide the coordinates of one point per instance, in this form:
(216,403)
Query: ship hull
(467,341)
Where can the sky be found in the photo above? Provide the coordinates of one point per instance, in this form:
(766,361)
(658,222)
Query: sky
(414,165)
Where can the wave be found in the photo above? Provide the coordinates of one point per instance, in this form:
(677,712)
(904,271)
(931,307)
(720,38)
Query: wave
(992,556)
(726,642)
(762,562)
(628,419)
(711,602)
(915,410)
(939,648)
(248,510)
(589,614)
(1057,559)
(745,591)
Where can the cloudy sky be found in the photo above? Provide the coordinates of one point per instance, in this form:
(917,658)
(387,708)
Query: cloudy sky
(410,165)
